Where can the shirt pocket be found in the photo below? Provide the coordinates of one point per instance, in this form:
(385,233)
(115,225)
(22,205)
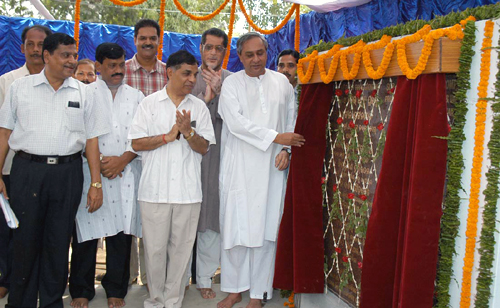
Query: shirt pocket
(74,119)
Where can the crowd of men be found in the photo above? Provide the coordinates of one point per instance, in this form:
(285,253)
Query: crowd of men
(150,156)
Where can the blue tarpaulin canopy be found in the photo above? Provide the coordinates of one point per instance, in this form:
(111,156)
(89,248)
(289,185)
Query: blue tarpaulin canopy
(377,14)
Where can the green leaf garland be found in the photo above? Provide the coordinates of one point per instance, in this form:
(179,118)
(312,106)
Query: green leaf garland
(455,165)
(487,238)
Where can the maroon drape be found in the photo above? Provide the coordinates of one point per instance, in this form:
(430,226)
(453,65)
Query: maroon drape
(401,249)
(300,252)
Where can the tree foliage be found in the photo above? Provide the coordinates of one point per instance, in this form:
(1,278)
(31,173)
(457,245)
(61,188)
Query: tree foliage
(104,11)
(15,8)
(267,14)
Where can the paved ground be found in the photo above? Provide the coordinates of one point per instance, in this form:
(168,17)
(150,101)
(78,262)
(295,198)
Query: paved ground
(137,294)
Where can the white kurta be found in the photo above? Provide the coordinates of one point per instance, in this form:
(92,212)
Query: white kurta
(254,110)
(119,211)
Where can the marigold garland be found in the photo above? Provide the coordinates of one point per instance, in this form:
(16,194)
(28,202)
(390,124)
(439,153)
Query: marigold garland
(229,34)
(477,164)
(274,30)
(77,23)
(360,49)
(297,28)
(161,22)
(385,41)
(199,18)
(487,239)
(357,50)
(129,3)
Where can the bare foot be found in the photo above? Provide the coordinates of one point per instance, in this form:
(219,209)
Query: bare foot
(229,301)
(80,303)
(114,302)
(187,288)
(254,303)
(3,292)
(207,293)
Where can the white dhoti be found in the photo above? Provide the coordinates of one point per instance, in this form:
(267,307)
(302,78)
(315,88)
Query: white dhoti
(244,268)
(208,248)
(168,234)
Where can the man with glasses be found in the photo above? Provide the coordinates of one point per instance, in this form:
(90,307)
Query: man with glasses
(209,81)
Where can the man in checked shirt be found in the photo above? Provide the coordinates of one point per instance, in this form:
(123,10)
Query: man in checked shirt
(147,74)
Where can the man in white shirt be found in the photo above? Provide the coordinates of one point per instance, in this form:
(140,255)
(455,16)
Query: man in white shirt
(172,129)
(85,71)
(47,122)
(259,111)
(118,219)
(209,81)
(32,42)
(147,74)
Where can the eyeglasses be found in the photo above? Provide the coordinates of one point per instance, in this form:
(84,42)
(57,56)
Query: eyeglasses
(218,48)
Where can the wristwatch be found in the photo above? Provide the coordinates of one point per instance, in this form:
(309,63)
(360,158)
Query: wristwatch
(191,134)
(96,185)
(288,150)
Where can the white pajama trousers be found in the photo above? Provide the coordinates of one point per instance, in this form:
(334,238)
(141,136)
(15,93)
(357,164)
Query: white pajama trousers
(168,233)
(207,259)
(245,268)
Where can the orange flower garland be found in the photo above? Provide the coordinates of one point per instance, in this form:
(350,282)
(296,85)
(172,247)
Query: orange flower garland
(77,23)
(385,41)
(162,24)
(327,78)
(129,3)
(260,30)
(297,28)
(229,34)
(304,78)
(357,50)
(477,163)
(425,34)
(198,18)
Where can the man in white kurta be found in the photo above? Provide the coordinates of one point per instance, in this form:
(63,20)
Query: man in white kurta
(172,130)
(258,109)
(119,218)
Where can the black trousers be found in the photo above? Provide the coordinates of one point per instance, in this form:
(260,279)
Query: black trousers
(83,260)
(5,244)
(45,199)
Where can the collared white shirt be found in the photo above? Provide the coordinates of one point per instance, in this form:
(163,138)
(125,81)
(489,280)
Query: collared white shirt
(48,122)
(172,172)
(5,81)
(119,211)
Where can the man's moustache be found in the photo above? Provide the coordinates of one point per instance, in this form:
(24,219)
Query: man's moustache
(148,46)
(117,74)
(86,81)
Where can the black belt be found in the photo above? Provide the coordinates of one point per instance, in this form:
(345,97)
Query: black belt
(49,160)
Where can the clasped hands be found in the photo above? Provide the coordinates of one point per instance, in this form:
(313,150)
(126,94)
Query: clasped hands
(182,126)
(214,83)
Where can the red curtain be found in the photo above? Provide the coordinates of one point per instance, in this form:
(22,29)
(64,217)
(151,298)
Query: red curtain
(300,252)
(401,249)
